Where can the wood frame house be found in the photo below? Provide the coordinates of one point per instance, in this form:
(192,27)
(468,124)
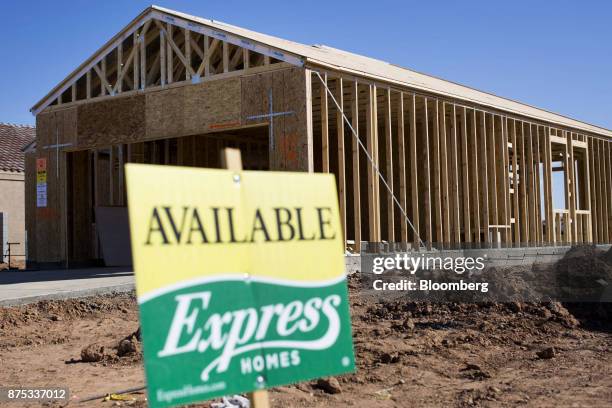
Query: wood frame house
(457,166)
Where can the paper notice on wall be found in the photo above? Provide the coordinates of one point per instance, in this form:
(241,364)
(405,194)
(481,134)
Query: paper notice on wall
(41,182)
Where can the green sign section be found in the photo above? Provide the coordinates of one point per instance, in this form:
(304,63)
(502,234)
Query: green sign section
(198,348)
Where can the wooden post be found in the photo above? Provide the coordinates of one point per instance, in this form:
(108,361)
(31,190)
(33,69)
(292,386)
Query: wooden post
(341,161)
(324,126)
(402,168)
(355,152)
(414,191)
(232,160)
(389,166)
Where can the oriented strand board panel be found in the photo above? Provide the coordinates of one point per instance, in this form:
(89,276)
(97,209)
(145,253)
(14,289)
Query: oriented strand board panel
(111,121)
(58,127)
(212,106)
(288,88)
(195,109)
(164,113)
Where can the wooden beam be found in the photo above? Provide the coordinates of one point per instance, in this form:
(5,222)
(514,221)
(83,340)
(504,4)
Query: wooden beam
(437,190)
(188,72)
(355,152)
(88,85)
(341,155)
(454,171)
(371,135)
(550,221)
(169,35)
(593,187)
(506,181)
(572,180)
(414,189)
(324,125)
(426,177)
(523,187)
(484,193)
(605,191)
(492,175)
(402,169)
(515,182)
(143,58)
(446,221)
(120,67)
(473,149)
(467,231)
(162,58)
(389,166)
(225,56)
(101,71)
(568,186)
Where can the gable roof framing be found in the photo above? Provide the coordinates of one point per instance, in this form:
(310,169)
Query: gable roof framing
(159,17)
(313,57)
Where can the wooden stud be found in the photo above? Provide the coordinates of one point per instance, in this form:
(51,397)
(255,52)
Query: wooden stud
(414,190)
(136,63)
(437,191)
(245,58)
(550,221)
(467,231)
(515,184)
(104,85)
(143,58)
(605,214)
(506,181)
(225,56)
(492,177)
(587,184)
(88,85)
(523,188)
(572,180)
(324,125)
(389,167)
(355,152)
(206,62)
(446,230)
(484,177)
(455,205)
(426,177)
(402,169)
(341,161)
(119,85)
(537,190)
(162,59)
(169,35)
(189,69)
(473,149)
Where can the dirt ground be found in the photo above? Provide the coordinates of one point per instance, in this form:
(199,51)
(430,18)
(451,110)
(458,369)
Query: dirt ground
(408,354)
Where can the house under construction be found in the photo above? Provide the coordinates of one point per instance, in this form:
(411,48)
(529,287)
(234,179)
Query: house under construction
(464,167)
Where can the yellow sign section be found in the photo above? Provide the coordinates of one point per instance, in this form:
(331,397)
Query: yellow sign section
(191,223)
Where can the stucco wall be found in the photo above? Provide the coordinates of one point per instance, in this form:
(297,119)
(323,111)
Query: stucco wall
(12,203)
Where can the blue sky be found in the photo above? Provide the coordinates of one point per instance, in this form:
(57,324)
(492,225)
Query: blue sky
(555,55)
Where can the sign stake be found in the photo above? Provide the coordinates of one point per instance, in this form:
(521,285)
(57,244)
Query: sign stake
(232,160)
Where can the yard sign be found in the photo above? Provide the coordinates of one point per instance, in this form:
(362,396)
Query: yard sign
(240,280)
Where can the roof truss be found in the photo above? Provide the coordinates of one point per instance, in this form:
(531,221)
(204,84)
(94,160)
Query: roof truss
(156,50)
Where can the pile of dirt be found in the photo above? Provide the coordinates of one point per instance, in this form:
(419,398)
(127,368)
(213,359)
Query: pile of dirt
(128,350)
(39,323)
